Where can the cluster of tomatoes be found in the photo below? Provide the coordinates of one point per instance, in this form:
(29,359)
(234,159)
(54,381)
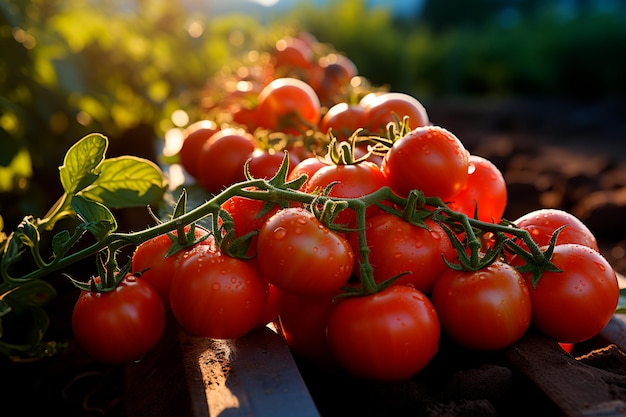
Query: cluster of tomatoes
(374,290)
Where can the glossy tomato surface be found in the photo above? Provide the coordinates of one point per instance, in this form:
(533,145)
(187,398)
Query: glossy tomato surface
(299,255)
(388,336)
(488,309)
(430,159)
(121,325)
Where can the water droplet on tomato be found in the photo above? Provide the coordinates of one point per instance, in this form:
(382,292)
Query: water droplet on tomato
(280,233)
(298,230)
(217,286)
(600,266)
(301,220)
(397,255)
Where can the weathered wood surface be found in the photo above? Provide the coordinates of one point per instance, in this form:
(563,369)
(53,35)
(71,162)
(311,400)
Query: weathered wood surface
(255,375)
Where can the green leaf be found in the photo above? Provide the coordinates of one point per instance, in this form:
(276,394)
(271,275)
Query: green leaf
(97,218)
(127,181)
(81,162)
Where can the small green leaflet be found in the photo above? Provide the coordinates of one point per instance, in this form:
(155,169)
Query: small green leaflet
(96,217)
(126,181)
(81,162)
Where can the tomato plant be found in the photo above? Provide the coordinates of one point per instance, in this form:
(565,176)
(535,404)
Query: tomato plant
(221,160)
(216,296)
(488,309)
(288,105)
(577,303)
(387,336)
(399,247)
(120,325)
(485,192)
(430,159)
(299,255)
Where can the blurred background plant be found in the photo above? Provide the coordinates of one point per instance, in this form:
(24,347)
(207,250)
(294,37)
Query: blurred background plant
(124,68)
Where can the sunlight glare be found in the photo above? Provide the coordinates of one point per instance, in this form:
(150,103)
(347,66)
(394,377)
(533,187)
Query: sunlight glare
(267,3)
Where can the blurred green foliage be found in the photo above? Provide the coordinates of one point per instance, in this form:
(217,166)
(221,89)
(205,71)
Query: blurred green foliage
(73,67)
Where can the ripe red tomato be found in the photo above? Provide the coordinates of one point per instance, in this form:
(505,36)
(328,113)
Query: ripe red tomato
(292,53)
(343,120)
(265,164)
(193,139)
(574,305)
(488,309)
(397,246)
(380,109)
(248,216)
(299,255)
(542,223)
(222,158)
(149,260)
(353,180)
(308,166)
(388,336)
(288,105)
(485,191)
(430,159)
(303,325)
(121,325)
(216,296)
(270,311)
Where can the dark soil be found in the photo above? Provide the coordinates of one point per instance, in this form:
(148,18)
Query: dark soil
(552,154)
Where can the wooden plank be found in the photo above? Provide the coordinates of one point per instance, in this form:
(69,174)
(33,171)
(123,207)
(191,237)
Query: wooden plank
(254,375)
(576,388)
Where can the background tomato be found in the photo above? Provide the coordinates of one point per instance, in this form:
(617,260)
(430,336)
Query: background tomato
(485,191)
(430,159)
(194,137)
(396,246)
(574,305)
(221,160)
(216,296)
(308,166)
(121,325)
(343,119)
(288,105)
(265,164)
(488,309)
(380,109)
(299,255)
(387,336)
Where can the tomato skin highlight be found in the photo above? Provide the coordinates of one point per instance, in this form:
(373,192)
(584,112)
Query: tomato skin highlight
(216,296)
(381,109)
(430,159)
(397,246)
(388,336)
(194,138)
(299,255)
(119,326)
(488,309)
(576,304)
